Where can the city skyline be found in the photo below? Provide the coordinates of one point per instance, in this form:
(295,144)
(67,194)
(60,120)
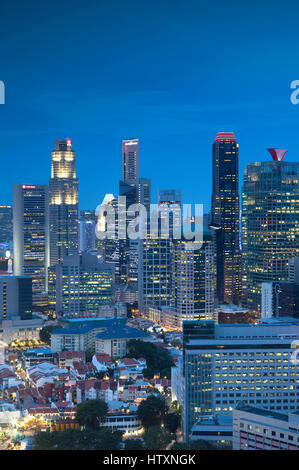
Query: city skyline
(149,228)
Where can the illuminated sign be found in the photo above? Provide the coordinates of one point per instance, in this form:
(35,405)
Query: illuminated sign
(28,186)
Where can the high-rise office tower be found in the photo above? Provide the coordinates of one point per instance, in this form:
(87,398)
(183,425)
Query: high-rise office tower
(130,159)
(87,230)
(225,216)
(169,207)
(5,224)
(154,271)
(226,364)
(270,223)
(294,270)
(193,279)
(80,285)
(15,297)
(63,200)
(31,235)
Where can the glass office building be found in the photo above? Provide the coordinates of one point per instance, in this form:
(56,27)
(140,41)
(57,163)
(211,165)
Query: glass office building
(31,235)
(226,215)
(270,224)
(80,285)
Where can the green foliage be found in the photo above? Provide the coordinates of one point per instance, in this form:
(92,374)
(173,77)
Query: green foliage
(156,438)
(90,412)
(152,411)
(157,359)
(199,444)
(171,422)
(134,444)
(75,439)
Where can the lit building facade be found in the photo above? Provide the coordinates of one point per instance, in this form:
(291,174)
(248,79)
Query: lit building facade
(130,159)
(280,299)
(80,285)
(224,364)
(31,235)
(154,278)
(63,202)
(225,216)
(137,190)
(270,224)
(87,231)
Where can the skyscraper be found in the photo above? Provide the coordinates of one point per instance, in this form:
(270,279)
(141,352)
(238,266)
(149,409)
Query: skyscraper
(225,216)
(270,223)
(225,364)
(63,200)
(31,234)
(15,297)
(193,276)
(154,272)
(87,224)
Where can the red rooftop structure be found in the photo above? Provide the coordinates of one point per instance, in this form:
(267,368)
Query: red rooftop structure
(277,154)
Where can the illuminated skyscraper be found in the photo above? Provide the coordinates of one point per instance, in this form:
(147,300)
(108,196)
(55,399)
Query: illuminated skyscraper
(31,234)
(154,273)
(193,276)
(5,224)
(270,223)
(225,216)
(137,191)
(63,200)
(80,285)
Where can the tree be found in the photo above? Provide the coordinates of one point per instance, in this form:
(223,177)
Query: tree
(156,438)
(152,410)
(90,412)
(76,439)
(134,444)
(89,353)
(171,422)
(45,333)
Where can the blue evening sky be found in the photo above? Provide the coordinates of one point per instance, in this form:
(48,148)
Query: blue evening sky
(173,73)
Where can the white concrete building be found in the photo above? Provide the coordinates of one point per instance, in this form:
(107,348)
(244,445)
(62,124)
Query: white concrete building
(225,364)
(259,429)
